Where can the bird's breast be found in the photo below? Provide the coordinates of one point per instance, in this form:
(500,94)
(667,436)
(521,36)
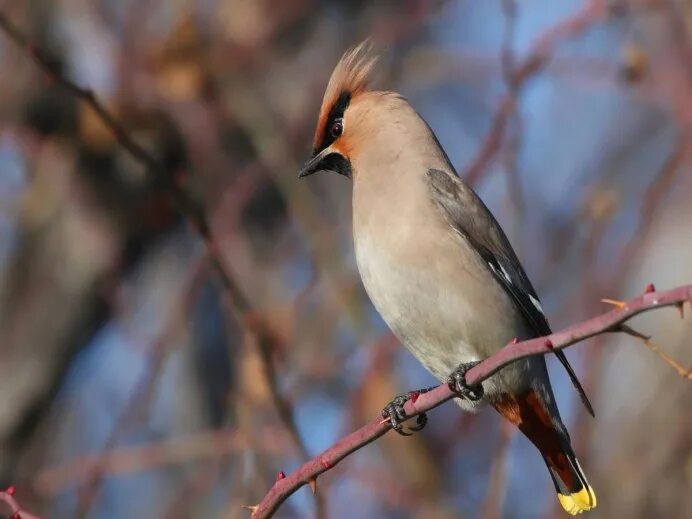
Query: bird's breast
(430,288)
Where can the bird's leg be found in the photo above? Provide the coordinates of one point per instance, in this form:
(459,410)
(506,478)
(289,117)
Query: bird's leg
(394,412)
(457,382)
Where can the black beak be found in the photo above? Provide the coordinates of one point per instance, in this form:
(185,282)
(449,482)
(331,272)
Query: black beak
(327,160)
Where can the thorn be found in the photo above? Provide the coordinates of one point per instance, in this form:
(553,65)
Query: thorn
(514,341)
(384,421)
(11,490)
(280,475)
(549,344)
(615,302)
(650,288)
(313,485)
(413,396)
(634,333)
(252,508)
(681,309)
(326,463)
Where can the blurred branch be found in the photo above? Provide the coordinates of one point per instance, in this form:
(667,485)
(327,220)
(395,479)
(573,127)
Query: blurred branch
(192,209)
(497,485)
(592,12)
(144,389)
(676,15)
(202,445)
(45,62)
(654,197)
(507,61)
(612,321)
(7,497)
(188,206)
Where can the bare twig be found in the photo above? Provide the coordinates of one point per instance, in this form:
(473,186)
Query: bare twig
(683,372)
(609,322)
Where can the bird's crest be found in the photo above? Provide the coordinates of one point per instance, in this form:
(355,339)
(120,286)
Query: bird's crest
(350,77)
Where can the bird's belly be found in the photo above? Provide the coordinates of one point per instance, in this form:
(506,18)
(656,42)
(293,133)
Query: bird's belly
(442,311)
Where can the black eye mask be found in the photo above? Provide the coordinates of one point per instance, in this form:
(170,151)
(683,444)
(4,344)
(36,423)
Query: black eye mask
(337,112)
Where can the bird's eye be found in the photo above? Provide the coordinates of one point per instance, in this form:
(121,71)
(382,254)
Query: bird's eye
(337,128)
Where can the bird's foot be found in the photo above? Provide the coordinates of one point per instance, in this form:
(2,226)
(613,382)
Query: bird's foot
(394,412)
(457,382)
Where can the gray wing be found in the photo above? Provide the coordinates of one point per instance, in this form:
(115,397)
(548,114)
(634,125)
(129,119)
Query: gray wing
(469,217)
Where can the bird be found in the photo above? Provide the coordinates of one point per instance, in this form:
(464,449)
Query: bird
(437,266)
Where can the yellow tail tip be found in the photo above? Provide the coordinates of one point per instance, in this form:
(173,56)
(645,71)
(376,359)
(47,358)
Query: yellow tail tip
(578,502)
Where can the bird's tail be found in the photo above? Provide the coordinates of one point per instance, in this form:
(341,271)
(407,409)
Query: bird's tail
(530,415)
(573,490)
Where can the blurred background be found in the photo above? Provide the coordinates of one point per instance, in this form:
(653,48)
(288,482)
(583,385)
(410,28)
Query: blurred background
(132,381)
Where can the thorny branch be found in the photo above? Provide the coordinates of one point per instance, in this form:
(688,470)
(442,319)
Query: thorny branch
(612,321)
(186,204)
(16,511)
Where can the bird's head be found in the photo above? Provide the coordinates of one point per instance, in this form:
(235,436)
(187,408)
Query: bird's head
(348,104)
(360,131)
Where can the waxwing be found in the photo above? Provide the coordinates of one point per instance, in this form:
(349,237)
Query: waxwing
(437,266)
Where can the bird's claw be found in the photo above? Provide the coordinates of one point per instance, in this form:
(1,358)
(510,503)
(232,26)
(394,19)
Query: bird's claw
(394,413)
(421,422)
(457,382)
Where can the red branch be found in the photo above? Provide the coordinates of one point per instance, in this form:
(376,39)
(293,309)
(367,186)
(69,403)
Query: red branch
(16,511)
(609,322)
